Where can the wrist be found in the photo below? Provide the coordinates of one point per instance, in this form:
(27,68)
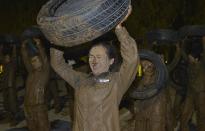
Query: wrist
(119,26)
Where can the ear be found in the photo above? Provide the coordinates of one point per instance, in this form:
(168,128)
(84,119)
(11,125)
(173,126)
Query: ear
(112,61)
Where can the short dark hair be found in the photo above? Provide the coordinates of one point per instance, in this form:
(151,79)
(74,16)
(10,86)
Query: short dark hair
(31,48)
(110,50)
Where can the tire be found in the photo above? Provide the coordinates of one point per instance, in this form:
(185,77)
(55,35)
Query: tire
(35,32)
(161,79)
(179,77)
(192,30)
(177,57)
(31,32)
(75,52)
(73,22)
(162,36)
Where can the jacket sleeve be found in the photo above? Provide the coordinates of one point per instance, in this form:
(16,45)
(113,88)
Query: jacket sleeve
(63,69)
(43,55)
(129,53)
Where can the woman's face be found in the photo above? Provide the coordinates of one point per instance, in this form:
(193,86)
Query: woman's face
(36,63)
(148,67)
(99,61)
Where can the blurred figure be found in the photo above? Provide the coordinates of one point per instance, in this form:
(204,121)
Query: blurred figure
(8,81)
(37,65)
(152,114)
(195,100)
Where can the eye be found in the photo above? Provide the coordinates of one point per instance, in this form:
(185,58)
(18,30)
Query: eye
(91,57)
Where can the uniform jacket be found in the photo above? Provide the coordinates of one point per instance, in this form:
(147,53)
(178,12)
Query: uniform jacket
(97,98)
(37,80)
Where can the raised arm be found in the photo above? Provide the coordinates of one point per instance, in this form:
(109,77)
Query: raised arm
(129,53)
(25,57)
(41,51)
(176,59)
(63,69)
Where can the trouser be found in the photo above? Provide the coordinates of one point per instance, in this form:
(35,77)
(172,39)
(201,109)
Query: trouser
(195,101)
(153,114)
(53,93)
(187,112)
(200,110)
(176,104)
(37,117)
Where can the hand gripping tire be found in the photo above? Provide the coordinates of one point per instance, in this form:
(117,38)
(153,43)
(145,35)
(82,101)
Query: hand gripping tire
(72,22)
(161,79)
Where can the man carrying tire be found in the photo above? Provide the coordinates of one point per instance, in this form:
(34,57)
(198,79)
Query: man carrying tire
(196,89)
(37,65)
(97,96)
(152,102)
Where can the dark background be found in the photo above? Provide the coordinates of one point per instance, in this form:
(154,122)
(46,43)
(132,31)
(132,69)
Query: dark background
(17,15)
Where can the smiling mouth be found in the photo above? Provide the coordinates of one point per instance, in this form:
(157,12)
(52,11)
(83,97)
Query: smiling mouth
(94,64)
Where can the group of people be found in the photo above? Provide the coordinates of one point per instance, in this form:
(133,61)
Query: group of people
(97,95)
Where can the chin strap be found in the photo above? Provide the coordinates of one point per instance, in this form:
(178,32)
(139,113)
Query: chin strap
(102,78)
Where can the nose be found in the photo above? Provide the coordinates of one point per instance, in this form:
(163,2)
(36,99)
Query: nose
(94,60)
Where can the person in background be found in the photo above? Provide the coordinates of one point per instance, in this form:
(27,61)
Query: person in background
(37,65)
(152,114)
(8,81)
(196,87)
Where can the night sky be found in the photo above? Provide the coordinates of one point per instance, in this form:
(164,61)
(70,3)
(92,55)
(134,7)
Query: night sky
(17,15)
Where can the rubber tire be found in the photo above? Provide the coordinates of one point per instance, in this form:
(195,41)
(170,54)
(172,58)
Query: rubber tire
(162,36)
(81,24)
(161,80)
(33,31)
(181,84)
(175,61)
(192,30)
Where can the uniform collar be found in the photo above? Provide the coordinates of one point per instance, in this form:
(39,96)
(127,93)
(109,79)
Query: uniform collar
(102,78)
